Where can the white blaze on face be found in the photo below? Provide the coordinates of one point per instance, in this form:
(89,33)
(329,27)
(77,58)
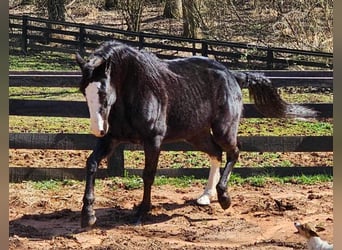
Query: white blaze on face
(97,123)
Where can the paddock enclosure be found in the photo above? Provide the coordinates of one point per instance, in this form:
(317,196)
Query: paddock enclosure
(261,217)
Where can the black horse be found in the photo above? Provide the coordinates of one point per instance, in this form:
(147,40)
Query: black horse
(135,97)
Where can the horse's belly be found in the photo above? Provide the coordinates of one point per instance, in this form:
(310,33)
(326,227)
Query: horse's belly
(186,124)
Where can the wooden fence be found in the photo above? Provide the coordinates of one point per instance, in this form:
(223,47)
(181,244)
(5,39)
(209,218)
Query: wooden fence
(116,166)
(36,34)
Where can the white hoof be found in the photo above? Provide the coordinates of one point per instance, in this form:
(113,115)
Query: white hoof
(204,200)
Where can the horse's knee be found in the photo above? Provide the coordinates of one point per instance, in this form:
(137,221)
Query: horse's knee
(233,153)
(148,177)
(88,199)
(91,165)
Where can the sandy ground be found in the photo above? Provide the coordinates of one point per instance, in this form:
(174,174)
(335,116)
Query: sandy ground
(259,218)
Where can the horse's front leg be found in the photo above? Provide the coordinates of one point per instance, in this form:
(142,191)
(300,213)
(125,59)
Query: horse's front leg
(102,149)
(152,152)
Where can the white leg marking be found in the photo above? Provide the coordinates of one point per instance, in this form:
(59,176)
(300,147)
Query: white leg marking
(214,177)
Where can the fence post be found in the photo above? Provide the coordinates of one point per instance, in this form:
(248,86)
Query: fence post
(24,35)
(141,40)
(81,40)
(116,162)
(204,49)
(269,59)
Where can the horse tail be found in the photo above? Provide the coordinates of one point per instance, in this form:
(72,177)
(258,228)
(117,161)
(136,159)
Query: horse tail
(266,98)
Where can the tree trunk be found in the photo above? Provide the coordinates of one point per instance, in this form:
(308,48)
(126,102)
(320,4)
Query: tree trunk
(191,19)
(111,4)
(56,10)
(173,9)
(132,12)
(26,2)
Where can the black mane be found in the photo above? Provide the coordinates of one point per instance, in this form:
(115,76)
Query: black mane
(150,69)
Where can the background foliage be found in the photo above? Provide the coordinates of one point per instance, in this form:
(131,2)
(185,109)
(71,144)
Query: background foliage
(299,24)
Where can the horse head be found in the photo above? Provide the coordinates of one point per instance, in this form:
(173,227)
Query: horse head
(98,91)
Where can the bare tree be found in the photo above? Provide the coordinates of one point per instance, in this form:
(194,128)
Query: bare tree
(191,19)
(173,9)
(26,2)
(56,10)
(110,4)
(132,11)
(15,3)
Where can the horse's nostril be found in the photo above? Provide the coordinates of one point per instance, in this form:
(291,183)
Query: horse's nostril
(102,132)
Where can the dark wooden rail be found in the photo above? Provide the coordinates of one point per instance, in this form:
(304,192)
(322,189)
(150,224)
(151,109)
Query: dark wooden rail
(37,34)
(280,78)
(116,165)
(79,109)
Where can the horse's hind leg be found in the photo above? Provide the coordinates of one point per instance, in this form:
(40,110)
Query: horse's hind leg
(206,143)
(225,135)
(222,188)
(103,148)
(213,179)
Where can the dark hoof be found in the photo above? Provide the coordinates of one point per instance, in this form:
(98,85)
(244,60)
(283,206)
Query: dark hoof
(223,198)
(141,214)
(224,201)
(138,221)
(88,220)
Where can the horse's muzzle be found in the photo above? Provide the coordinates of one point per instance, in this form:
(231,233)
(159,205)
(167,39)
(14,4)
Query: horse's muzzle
(99,131)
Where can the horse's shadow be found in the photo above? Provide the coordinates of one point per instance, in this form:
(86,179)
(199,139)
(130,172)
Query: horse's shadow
(66,223)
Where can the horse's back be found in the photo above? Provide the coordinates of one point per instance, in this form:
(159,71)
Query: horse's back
(203,90)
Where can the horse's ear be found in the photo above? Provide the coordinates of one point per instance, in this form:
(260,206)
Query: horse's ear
(80,61)
(96,61)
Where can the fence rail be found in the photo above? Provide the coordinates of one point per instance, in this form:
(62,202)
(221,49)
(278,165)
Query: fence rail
(30,34)
(116,166)
(79,108)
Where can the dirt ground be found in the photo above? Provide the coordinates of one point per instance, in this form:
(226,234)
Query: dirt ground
(259,218)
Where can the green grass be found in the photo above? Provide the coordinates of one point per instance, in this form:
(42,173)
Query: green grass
(132,182)
(46,93)
(36,124)
(263,180)
(46,185)
(44,60)
(265,159)
(248,127)
(69,93)
(281,127)
(297,97)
